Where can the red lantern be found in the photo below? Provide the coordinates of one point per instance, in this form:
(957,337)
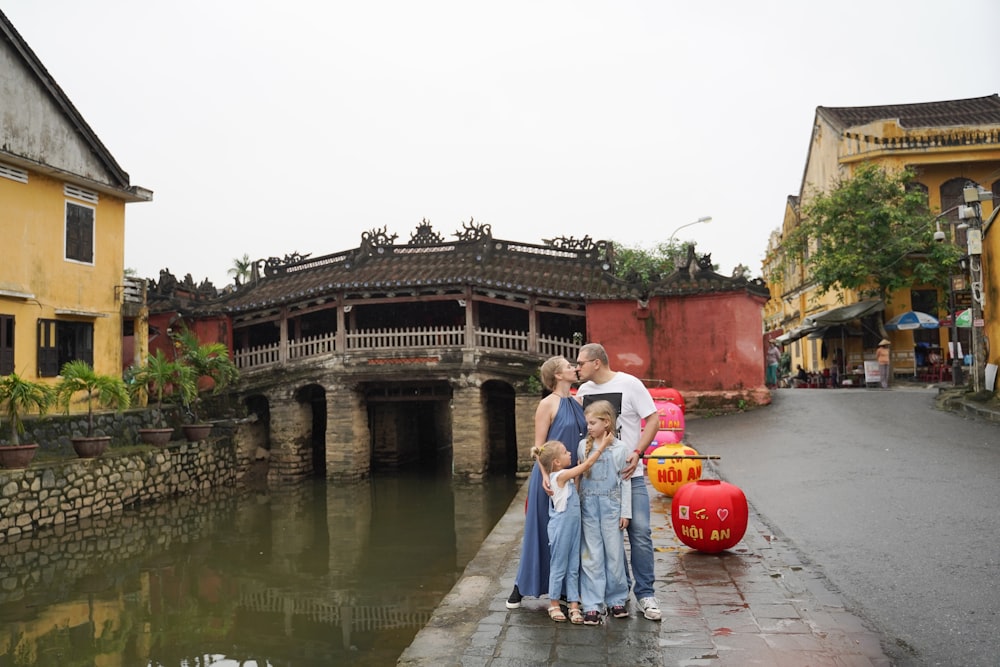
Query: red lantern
(668,475)
(668,394)
(709,515)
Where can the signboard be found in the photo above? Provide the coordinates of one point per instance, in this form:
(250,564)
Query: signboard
(872,373)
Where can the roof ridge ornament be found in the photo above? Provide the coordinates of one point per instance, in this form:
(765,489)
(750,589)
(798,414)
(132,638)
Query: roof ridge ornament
(474,231)
(571,243)
(425,235)
(378,238)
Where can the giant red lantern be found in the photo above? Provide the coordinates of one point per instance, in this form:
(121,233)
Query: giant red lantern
(668,475)
(709,515)
(670,395)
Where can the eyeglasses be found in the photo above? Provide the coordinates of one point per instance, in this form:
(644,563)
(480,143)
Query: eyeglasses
(581,362)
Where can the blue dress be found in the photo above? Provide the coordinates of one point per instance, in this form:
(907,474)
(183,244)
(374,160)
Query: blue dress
(568,426)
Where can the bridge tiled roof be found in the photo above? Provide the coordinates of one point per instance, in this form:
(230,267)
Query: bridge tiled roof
(562,270)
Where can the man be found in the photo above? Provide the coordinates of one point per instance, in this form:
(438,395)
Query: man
(633,403)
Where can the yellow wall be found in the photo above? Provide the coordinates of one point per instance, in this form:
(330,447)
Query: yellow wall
(33,222)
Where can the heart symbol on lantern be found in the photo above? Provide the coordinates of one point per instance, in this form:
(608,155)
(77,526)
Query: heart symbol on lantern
(722,513)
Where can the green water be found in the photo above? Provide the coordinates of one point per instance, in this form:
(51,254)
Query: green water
(302,575)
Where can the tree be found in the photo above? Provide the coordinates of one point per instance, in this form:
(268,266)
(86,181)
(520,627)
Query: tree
(872,233)
(640,266)
(241,269)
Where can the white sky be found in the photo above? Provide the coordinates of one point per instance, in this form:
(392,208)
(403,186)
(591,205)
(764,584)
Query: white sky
(294,126)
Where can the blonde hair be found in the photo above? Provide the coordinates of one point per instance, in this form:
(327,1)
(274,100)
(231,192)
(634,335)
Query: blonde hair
(547,373)
(546,453)
(599,410)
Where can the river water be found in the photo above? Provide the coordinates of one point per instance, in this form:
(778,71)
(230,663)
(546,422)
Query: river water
(311,574)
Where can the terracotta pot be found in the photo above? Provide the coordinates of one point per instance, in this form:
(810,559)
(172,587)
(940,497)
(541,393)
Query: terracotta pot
(196,432)
(89,448)
(156,436)
(17,456)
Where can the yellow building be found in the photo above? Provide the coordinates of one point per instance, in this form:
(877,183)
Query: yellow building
(951,145)
(62,221)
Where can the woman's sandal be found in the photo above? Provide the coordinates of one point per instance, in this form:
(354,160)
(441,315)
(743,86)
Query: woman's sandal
(575,616)
(557,615)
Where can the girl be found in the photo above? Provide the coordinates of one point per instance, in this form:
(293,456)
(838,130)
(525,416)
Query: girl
(606,507)
(564,523)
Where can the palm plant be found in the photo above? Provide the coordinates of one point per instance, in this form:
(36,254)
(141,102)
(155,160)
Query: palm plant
(105,390)
(18,396)
(162,377)
(240,270)
(207,360)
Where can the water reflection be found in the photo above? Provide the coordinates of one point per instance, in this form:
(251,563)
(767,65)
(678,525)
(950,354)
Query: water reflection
(311,574)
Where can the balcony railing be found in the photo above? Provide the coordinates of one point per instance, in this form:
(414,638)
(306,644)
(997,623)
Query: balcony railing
(374,341)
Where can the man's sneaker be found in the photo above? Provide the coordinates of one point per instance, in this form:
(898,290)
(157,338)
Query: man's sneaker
(514,601)
(650,608)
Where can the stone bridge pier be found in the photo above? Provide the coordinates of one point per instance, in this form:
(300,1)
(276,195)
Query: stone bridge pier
(343,428)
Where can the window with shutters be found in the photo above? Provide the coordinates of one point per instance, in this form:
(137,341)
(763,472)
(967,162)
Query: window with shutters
(61,341)
(79,232)
(6,344)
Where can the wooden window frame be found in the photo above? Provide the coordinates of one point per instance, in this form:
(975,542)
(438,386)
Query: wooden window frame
(80,231)
(6,344)
(60,341)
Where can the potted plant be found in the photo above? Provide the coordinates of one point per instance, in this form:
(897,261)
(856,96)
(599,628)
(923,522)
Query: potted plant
(162,377)
(105,390)
(208,362)
(17,396)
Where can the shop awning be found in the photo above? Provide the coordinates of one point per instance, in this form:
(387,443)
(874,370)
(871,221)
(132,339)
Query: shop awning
(795,334)
(845,314)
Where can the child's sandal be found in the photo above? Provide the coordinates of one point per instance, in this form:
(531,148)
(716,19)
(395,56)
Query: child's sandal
(575,616)
(556,614)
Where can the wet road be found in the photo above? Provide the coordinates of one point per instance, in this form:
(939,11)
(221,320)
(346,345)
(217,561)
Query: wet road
(895,502)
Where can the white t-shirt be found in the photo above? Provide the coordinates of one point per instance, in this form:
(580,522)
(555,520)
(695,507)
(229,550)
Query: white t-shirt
(560,494)
(632,400)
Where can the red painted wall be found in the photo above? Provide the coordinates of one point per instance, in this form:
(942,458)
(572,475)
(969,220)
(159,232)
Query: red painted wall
(707,342)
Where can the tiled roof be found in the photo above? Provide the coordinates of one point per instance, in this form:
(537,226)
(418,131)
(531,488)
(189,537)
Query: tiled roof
(950,113)
(563,270)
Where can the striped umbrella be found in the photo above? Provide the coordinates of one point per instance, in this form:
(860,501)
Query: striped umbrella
(912,319)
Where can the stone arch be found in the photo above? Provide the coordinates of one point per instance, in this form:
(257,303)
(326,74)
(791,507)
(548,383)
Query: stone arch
(314,396)
(500,427)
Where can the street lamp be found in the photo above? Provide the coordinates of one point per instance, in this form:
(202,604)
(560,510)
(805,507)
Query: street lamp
(704,218)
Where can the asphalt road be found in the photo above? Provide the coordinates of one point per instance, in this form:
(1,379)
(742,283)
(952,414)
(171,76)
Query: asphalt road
(895,502)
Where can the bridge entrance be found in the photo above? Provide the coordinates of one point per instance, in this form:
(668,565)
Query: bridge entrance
(410,424)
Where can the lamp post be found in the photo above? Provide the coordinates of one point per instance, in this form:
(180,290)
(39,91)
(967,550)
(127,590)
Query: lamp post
(704,218)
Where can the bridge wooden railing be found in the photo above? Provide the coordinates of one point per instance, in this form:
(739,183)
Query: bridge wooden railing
(394,340)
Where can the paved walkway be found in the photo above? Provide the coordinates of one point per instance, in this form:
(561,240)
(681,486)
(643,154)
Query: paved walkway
(754,605)
(757,604)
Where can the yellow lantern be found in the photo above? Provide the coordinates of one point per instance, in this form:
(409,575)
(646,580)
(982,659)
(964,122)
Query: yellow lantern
(668,475)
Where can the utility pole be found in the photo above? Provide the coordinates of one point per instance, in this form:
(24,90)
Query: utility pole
(973,195)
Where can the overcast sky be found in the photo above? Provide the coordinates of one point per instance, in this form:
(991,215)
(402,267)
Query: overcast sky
(273,128)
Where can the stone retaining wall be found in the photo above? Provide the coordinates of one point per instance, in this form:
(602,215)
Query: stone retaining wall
(60,492)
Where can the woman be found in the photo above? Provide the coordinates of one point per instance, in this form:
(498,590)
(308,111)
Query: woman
(558,417)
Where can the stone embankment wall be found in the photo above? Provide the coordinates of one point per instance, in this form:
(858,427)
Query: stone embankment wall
(60,492)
